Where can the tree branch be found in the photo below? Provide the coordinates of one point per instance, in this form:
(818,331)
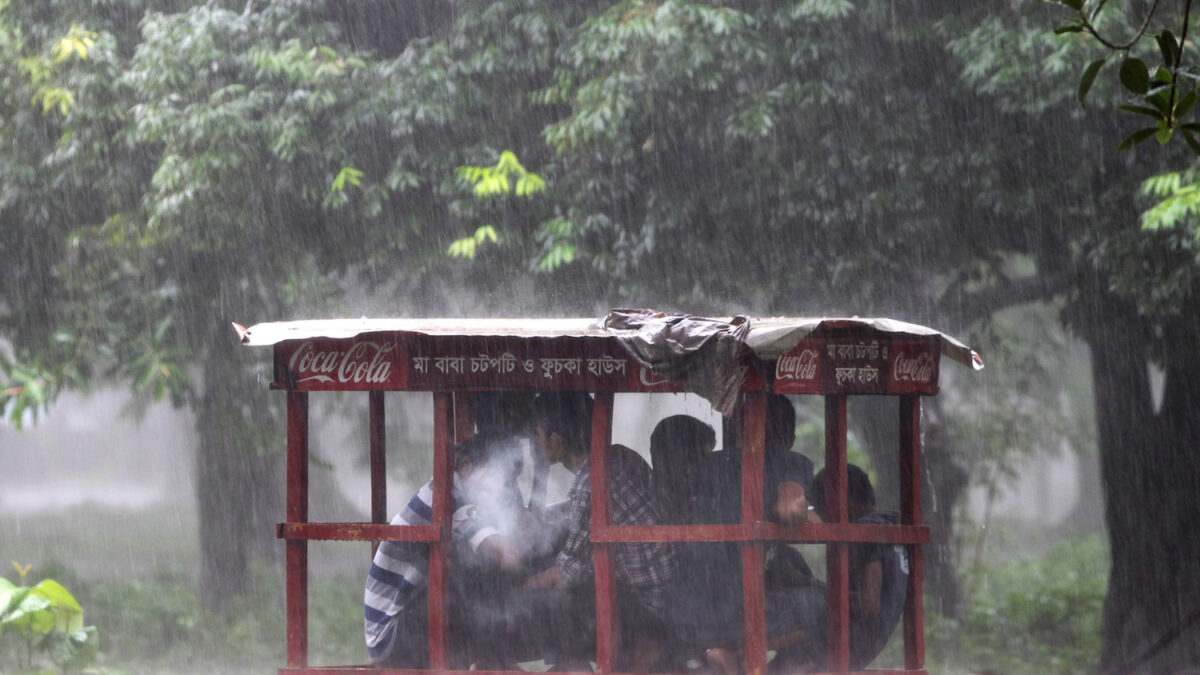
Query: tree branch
(972,305)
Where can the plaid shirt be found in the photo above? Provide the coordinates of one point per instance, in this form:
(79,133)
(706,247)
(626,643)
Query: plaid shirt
(644,567)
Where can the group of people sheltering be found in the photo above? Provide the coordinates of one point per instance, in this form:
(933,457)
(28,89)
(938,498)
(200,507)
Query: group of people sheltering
(521,580)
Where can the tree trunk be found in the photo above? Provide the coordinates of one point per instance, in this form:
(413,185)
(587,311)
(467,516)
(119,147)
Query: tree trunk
(222,493)
(1150,477)
(238,487)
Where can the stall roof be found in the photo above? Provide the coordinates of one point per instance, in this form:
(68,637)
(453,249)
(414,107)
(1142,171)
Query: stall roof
(768,337)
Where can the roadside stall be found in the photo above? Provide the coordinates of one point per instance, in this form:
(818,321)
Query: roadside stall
(734,363)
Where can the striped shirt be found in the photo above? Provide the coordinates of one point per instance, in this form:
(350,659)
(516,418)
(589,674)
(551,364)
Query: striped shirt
(398,572)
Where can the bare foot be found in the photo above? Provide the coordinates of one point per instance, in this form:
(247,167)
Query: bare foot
(723,661)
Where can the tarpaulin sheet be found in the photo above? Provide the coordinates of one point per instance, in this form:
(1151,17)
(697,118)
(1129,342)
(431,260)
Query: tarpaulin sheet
(698,353)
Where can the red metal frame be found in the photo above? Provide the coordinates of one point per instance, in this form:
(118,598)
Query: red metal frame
(835,363)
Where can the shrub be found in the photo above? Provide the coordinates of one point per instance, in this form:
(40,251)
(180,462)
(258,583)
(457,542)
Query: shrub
(1040,616)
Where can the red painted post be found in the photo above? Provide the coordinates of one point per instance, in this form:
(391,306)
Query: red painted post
(753,589)
(464,420)
(297,512)
(837,595)
(910,514)
(378,461)
(443,506)
(607,626)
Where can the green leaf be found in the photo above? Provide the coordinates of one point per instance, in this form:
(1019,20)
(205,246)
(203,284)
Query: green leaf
(1135,76)
(1161,100)
(1142,110)
(1137,138)
(1163,135)
(68,614)
(1169,48)
(348,174)
(31,614)
(1191,141)
(1185,104)
(1076,5)
(1089,76)
(1070,27)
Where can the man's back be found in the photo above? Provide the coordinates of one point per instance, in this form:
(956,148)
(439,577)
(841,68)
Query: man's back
(869,634)
(646,567)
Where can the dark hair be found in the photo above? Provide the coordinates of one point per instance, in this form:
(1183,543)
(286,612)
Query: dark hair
(781,424)
(502,411)
(567,413)
(476,448)
(678,431)
(858,490)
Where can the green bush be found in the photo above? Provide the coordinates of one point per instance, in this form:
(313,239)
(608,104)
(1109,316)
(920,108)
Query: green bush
(41,627)
(1039,616)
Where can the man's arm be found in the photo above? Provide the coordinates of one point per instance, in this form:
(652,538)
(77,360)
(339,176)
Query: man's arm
(501,551)
(551,577)
(869,599)
(791,506)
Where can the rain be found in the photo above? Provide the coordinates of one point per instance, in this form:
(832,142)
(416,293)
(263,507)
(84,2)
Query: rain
(1017,175)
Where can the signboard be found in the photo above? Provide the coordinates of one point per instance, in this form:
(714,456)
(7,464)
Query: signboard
(856,365)
(413,362)
(405,361)
(370,361)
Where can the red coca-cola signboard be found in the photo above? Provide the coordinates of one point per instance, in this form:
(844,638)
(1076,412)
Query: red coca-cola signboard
(327,364)
(858,365)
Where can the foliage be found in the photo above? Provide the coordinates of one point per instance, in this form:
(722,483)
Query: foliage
(49,621)
(158,624)
(1030,615)
(1165,93)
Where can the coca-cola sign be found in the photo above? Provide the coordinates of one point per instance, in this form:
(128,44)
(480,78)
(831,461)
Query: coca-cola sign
(859,363)
(798,366)
(362,363)
(916,368)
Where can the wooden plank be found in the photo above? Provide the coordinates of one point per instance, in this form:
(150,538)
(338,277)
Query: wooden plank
(607,625)
(378,461)
(443,505)
(296,552)
(837,565)
(910,514)
(815,534)
(376,670)
(355,532)
(753,590)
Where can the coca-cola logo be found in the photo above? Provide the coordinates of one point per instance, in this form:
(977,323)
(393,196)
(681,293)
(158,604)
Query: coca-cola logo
(649,378)
(802,366)
(917,368)
(362,363)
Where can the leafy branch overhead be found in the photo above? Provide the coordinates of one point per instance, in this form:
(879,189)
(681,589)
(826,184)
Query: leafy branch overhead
(1164,92)
(493,181)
